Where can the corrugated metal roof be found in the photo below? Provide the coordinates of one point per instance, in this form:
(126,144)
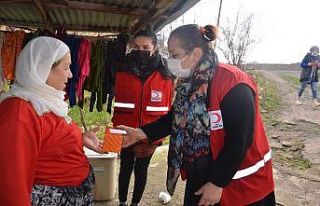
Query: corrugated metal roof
(92,15)
(123,3)
(15,14)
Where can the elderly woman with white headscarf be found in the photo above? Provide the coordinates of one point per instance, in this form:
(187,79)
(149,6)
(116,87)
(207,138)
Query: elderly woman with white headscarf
(41,149)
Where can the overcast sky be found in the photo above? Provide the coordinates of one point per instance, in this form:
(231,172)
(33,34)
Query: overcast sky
(286,29)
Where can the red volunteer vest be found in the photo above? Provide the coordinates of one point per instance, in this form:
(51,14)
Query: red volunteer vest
(138,103)
(254,179)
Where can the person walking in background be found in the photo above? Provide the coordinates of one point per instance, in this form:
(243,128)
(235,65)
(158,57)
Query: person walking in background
(143,92)
(218,142)
(309,75)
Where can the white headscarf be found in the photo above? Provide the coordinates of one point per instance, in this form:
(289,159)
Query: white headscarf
(32,70)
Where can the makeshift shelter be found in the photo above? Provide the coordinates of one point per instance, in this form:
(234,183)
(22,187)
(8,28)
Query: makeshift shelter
(91,17)
(114,16)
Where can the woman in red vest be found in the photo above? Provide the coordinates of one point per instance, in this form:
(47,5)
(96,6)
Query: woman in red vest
(218,142)
(143,92)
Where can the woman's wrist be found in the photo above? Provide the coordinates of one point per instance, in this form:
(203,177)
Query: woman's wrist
(140,135)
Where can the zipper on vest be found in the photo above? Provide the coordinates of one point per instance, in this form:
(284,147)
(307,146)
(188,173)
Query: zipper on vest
(141,105)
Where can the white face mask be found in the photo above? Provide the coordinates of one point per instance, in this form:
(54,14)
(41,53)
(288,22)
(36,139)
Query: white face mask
(174,65)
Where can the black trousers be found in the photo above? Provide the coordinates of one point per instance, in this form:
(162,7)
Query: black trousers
(140,166)
(195,183)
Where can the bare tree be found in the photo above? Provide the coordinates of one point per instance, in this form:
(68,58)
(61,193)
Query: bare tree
(238,39)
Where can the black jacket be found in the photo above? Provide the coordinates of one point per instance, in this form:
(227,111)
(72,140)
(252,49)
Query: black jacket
(307,73)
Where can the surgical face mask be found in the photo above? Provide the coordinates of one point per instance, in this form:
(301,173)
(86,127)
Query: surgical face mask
(175,66)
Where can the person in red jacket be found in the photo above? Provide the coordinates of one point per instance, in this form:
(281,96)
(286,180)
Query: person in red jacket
(143,92)
(41,149)
(218,142)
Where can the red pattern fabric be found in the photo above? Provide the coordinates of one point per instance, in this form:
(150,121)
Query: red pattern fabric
(12,45)
(144,149)
(37,150)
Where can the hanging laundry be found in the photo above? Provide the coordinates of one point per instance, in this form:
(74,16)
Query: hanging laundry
(61,32)
(19,41)
(94,82)
(84,66)
(8,55)
(93,99)
(46,32)
(29,36)
(74,44)
(11,48)
(115,53)
(110,48)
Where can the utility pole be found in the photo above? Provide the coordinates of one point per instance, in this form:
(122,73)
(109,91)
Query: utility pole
(219,14)
(218,22)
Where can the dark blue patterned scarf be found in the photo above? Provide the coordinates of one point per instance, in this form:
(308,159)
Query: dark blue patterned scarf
(190,138)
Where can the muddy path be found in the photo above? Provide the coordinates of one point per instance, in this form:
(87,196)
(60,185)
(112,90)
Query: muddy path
(295,140)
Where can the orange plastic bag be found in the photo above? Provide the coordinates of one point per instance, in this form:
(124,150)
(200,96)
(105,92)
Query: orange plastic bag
(113,140)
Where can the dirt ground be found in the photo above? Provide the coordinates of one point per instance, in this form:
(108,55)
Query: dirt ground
(294,139)
(295,143)
(155,183)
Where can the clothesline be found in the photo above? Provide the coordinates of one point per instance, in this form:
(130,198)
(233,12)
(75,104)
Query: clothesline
(89,35)
(92,59)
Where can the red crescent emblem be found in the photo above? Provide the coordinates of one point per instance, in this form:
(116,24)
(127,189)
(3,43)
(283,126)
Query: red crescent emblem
(218,116)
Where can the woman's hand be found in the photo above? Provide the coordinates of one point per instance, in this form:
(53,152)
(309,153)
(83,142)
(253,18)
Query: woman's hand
(91,141)
(211,194)
(133,135)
